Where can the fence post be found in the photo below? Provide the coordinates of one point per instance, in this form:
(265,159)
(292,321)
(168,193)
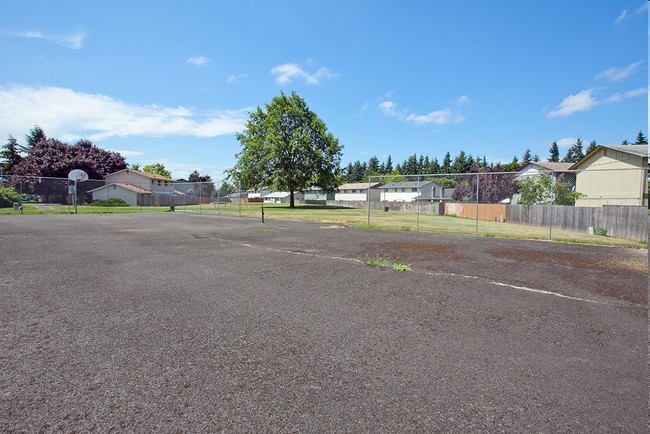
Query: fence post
(368,199)
(417,208)
(477,202)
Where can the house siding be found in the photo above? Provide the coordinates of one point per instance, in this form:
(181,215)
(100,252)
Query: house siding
(612,177)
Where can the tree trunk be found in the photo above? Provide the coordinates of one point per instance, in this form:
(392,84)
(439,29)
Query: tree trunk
(292,204)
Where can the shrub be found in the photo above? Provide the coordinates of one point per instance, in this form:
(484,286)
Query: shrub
(8,196)
(113,201)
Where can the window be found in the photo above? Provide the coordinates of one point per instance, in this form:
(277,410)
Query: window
(414,189)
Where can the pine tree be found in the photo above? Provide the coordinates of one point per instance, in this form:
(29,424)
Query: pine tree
(641,139)
(527,157)
(10,155)
(389,165)
(592,146)
(446,164)
(554,153)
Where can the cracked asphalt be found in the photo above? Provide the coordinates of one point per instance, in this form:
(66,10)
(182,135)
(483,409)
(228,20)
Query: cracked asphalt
(192,323)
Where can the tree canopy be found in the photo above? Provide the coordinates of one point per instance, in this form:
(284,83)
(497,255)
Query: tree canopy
(157,169)
(51,158)
(286,146)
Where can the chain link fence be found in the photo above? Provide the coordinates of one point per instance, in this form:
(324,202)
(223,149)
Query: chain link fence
(610,202)
(597,202)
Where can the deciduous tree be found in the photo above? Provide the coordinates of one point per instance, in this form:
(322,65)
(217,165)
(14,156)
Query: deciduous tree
(157,169)
(286,146)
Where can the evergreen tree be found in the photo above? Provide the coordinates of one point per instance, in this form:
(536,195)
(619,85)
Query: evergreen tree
(434,166)
(373,165)
(575,153)
(446,164)
(389,165)
(461,164)
(35,135)
(10,155)
(593,145)
(554,153)
(641,139)
(625,142)
(527,157)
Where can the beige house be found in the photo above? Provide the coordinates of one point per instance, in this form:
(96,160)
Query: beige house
(613,175)
(358,191)
(136,188)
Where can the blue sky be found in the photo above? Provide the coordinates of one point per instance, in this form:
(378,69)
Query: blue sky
(171,82)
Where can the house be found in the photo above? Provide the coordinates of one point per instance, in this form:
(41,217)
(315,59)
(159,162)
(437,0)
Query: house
(410,191)
(434,192)
(136,188)
(255,195)
(317,193)
(613,175)
(281,197)
(536,168)
(358,191)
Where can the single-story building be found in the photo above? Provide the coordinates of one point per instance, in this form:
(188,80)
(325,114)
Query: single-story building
(358,191)
(317,193)
(281,197)
(613,175)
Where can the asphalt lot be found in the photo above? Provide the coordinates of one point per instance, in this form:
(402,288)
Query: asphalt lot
(191,323)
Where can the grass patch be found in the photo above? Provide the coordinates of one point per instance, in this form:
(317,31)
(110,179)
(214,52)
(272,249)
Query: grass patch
(402,267)
(377,262)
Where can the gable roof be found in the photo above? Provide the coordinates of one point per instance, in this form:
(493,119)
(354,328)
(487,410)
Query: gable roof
(129,187)
(359,186)
(407,184)
(145,174)
(547,165)
(636,150)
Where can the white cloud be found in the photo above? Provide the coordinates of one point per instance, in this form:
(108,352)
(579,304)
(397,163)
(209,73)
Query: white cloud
(198,60)
(127,154)
(566,142)
(70,115)
(288,72)
(621,17)
(585,100)
(74,40)
(463,100)
(438,117)
(619,73)
(234,78)
(582,101)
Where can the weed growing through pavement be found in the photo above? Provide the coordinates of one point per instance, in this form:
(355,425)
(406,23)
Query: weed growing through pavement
(385,263)
(402,267)
(377,262)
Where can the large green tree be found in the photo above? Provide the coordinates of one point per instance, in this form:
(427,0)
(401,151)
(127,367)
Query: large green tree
(287,147)
(157,169)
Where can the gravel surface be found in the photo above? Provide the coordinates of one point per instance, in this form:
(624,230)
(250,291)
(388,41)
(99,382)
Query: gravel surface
(186,323)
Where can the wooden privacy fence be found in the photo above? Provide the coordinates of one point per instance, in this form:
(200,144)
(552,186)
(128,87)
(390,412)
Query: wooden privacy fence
(618,220)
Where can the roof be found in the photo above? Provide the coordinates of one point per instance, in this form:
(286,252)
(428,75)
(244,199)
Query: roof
(145,174)
(406,184)
(277,194)
(553,167)
(359,186)
(129,187)
(637,150)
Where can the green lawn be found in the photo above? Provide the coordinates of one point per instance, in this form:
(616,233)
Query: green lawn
(356,218)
